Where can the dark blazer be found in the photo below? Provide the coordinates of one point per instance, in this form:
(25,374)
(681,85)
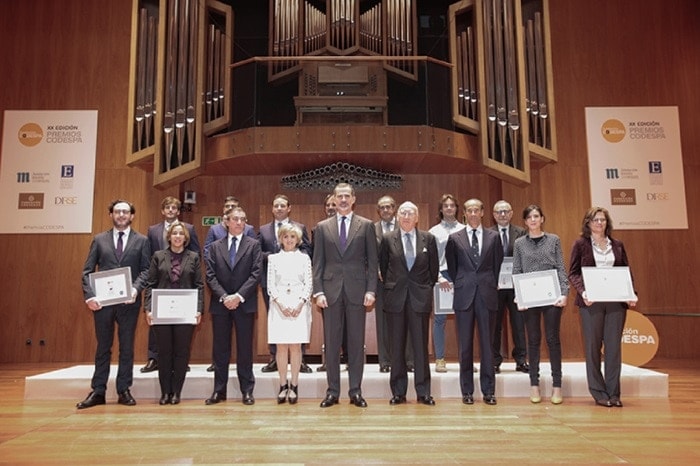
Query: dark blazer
(155,236)
(269,245)
(219,231)
(242,279)
(190,276)
(103,256)
(400,283)
(469,275)
(353,271)
(514,232)
(582,256)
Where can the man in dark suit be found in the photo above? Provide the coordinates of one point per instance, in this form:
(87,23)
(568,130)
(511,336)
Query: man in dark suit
(474,257)
(218,231)
(408,261)
(234,265)
(502,214)
(386,208)
(267,236)
(118,247)
(170,208)
(345,281)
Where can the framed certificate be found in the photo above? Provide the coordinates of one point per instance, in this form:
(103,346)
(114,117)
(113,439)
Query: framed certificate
(535,289)
(443,300)
(112,286)
(174,306)
(608,284)
(505,280)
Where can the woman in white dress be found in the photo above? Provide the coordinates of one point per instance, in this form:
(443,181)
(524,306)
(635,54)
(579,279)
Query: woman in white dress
(289,284)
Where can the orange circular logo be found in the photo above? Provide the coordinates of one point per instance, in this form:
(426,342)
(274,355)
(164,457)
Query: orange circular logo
(640,341)
(30,134)
(613,130)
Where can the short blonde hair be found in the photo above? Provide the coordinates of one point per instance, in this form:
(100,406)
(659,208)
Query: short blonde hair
(289,228)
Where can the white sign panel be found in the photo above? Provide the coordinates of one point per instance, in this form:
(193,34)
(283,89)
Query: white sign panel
(636,166)
(47,174)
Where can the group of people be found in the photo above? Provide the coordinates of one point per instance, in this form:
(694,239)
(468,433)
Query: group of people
(350,265)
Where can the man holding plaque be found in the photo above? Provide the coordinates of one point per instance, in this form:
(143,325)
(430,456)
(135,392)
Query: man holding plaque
(124,250)
(474,257)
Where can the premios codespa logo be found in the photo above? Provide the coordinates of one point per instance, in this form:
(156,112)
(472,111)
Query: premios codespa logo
(30,134)
(613,130)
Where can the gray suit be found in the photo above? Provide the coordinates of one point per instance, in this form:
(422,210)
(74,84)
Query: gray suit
(102,256)
(344,277)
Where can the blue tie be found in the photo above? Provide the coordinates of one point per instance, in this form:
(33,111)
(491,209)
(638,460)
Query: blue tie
(232,251)
(343,234)
(409,252)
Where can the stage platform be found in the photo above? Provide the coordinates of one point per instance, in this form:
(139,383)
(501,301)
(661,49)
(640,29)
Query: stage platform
(73,383)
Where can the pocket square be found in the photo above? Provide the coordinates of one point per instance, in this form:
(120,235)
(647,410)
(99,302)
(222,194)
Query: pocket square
(425,250)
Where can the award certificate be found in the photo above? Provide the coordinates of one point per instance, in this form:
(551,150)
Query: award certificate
(608,284)
(443,300)
(112,286)
(175,306)
(535,289)
(505,280)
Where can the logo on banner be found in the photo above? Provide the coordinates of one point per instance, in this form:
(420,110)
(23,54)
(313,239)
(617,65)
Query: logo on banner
(30,134)
(623,197)
(612,173)
(65,200)
(655,173)
(31,201)
(613,130)
(23,177)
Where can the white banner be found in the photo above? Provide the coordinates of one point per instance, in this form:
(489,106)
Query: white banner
(636,166)
(47,175)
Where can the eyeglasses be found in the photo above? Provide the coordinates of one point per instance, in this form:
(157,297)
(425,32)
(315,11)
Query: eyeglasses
(121,211)
(407,213)
(502,212)
(599,220)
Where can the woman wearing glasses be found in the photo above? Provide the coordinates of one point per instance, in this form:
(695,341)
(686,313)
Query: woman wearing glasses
(602,322)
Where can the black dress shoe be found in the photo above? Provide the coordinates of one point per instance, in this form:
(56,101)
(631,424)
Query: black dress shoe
(397,400)
(490,399)
(248,398)
(305,368)
(426,400)
(93,399)
(175,399)
(329,401)
(215,398)
(270,366)
(358,401)
(384,368)
(151,365)
(497,369)
(616,402)
(468,399)
(211,368)
(126,399)
(606,403)
(321,368)
(524,367)
(165,399)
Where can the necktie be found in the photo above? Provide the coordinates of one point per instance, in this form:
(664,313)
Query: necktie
(505,241)
(120,245)
(475,244)
(232,252)
(343,234)
(409,252)
(387,227)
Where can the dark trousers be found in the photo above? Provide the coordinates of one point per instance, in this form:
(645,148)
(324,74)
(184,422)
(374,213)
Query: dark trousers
(222,327)
(338,317)
(152,343)
(125,316)
(174,344)
(465,320)
(409,327)
(552,322)
(602,325)
(517,328)
(385,349)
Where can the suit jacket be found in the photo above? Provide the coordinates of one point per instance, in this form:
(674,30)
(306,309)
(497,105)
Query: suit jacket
(471,276)
(103,256)
(514,232)
(219,231)
(155,236)
(190,275)
(582,256)
(353,271)
(401,283)
(242,279)
(269,244)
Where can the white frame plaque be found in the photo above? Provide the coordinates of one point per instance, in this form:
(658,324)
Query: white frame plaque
(534,289)
(505,280)
(608,284)
(174,306)
(112,286)
(443,300)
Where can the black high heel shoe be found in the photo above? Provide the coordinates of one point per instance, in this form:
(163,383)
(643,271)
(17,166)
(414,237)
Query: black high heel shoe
(292,395)
(282,396)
